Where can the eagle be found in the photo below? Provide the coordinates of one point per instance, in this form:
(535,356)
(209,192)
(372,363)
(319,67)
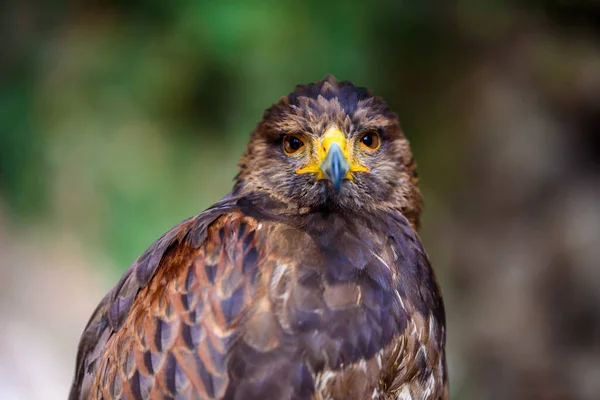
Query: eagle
(307,281)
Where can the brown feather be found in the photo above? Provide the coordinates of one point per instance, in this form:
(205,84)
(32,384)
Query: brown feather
(270,294)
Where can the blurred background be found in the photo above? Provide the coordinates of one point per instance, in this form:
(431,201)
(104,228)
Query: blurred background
(118,119)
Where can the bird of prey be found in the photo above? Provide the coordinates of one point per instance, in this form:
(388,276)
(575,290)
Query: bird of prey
(307,281)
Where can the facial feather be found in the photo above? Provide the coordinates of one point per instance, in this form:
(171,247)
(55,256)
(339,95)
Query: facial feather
(310,110)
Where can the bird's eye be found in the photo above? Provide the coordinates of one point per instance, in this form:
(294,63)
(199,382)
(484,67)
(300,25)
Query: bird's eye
(370,140)
(292,144)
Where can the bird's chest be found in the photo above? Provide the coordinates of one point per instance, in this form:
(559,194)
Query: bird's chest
(338,312)
(336,295)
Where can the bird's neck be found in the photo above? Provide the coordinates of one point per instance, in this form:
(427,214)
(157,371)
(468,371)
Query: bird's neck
(263,206)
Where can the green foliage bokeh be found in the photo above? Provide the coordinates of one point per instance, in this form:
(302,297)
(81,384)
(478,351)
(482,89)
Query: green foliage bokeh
(121,118)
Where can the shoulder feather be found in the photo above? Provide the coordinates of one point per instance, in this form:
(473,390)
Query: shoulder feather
(116,305)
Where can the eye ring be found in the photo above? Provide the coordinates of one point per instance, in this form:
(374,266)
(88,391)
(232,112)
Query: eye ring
(370,140)
(292,144)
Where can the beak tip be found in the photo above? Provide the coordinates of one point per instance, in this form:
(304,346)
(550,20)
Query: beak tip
(337,187)
(335,167)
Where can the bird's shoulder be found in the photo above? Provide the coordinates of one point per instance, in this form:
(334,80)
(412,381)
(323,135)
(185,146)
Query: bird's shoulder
(200,251)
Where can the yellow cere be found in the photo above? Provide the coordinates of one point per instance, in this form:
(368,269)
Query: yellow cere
(331,136)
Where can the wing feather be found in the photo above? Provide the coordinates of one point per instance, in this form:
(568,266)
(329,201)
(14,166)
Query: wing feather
(116,306)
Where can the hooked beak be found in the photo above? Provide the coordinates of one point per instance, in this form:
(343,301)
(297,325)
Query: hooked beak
(333,161)
(335,166)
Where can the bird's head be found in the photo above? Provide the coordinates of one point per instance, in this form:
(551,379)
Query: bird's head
(332,145)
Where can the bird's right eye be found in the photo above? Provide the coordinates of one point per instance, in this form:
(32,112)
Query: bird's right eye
(292,144)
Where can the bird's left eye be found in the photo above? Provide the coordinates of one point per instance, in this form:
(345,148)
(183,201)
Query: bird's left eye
(292,144)
(370,140)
